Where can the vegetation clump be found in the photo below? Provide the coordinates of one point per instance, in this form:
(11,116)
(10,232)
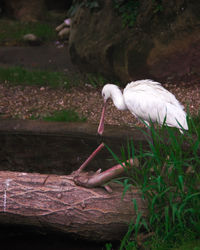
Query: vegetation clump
(22,76)
(128,10)
(168,177)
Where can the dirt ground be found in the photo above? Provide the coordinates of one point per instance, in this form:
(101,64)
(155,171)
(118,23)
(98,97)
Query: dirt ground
(53,57)
(23,102)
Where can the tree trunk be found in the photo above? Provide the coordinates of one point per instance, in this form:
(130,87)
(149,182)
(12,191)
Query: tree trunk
(57,203)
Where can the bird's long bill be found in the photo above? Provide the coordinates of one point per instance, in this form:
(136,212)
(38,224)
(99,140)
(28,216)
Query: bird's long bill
(101,123)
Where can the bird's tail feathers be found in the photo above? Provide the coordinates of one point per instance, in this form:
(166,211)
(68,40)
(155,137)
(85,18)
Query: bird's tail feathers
(176,118)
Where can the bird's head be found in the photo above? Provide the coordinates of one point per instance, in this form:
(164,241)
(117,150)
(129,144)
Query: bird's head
(107,91)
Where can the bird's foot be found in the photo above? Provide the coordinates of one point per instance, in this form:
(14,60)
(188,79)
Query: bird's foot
(90,180)
(99,179)
(83,179)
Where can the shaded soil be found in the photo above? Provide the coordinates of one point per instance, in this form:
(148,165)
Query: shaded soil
(59,148)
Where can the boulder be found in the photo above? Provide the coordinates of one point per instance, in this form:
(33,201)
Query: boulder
(163,42)
(31,39)
(64,29)
(64,33)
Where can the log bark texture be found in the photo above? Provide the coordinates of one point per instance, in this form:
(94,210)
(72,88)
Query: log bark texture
(60,205)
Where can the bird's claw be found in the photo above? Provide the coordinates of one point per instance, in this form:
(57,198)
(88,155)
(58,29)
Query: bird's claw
(98,171)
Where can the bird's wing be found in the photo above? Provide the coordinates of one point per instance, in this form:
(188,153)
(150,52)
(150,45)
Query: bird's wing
(154,90)
(150,105)
(176,117)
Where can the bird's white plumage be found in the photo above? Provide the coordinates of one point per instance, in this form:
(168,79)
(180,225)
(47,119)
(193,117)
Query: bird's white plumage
(149,101)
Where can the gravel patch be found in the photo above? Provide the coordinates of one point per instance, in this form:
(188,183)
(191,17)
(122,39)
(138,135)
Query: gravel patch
(25,102)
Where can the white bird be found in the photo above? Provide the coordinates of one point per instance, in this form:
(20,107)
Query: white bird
(147,100)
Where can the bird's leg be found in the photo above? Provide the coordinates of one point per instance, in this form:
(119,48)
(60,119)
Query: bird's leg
(86,162)
(94,153)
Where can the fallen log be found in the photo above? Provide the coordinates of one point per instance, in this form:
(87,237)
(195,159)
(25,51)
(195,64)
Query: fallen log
(59,204)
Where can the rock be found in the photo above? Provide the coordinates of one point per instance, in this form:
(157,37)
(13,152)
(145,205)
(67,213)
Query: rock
(31,39)
(64,29)
(66,23)
(161,43)
(64,34)
(23,10)
(60,27)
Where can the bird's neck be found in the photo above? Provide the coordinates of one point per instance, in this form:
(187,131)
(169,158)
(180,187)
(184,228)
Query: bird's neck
(118,99)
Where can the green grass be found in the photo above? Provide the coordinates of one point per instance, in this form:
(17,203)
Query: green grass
(21,76)
(12,32)
(189,245)
(96,80)
(168,176)
(62,116)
